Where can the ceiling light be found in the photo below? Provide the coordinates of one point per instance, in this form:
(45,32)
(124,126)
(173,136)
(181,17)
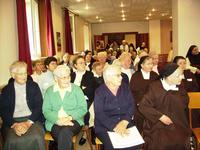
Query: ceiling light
(122,11)
(97,17)
(147,18)
(121,5)
(170,17)
(100,20)
(86,6)
(149,14)
(153,9)
(123,19)
(78,0)
(123,15)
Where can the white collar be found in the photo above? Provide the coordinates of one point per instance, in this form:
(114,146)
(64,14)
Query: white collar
(95,75)
(80,72)
(56,88)
(167,86)
(146,75)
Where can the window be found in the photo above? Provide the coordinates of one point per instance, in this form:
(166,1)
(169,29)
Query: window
(86,37)
(33,28)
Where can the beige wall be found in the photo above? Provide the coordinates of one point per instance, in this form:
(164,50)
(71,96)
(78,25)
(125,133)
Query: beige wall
(99,28)
(154,36)
(141,27)
(8,38)
(186,23)
(166,28)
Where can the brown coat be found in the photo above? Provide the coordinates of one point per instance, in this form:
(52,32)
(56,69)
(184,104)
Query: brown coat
(156,102)
(190,81)
(138,87)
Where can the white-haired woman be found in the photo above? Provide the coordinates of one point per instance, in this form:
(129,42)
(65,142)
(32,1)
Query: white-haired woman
(21,111)
(113,105)
(125,60)
(64,108)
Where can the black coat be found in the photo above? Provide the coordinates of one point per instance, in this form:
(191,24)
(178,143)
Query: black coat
(7,102)
(87,84)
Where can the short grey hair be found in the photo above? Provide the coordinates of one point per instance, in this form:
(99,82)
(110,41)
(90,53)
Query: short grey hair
(15,66)
(109,70)
(61,71)
(124,55)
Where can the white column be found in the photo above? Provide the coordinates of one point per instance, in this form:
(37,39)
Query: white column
(186,22)
(8,38)
(155,36)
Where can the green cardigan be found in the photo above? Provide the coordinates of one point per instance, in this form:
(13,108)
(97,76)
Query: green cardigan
(74,104)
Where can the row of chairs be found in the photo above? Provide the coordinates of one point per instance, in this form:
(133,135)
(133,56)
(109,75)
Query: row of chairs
(194,103)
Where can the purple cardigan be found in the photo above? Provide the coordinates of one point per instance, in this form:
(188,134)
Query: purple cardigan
(110,109)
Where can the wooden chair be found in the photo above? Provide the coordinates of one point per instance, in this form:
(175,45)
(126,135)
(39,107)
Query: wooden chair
(98,144)
(48,138)
(88,136)
(194,103)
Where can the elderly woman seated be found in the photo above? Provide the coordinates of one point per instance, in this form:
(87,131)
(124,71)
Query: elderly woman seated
(164,106)
(64,108)
(21,111)
(113,106)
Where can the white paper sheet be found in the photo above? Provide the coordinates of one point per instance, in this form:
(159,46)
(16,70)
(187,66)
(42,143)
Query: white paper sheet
(132,139)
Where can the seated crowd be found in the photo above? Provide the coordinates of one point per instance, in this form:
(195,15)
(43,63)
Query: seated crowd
(124,86)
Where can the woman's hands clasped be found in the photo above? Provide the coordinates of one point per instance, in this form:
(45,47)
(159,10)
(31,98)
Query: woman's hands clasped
(121,128)
(65,121)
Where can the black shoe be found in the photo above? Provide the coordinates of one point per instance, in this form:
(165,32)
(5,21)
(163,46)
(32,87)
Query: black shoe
(82,141)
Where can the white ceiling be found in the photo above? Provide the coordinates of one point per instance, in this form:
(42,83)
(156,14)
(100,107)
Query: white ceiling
(110,10)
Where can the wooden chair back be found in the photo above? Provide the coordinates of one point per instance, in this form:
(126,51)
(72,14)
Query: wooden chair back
(194,103)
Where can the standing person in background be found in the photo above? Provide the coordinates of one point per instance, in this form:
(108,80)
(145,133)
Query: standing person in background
(193,61)
(124,47)
(140,81)
(21,111)
(165,106)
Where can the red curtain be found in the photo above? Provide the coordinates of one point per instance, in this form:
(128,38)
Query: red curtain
(68,36)
(23,41)
(50,37)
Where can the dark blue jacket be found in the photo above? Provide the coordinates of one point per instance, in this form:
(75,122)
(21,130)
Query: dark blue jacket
(110,110)
(7,102)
